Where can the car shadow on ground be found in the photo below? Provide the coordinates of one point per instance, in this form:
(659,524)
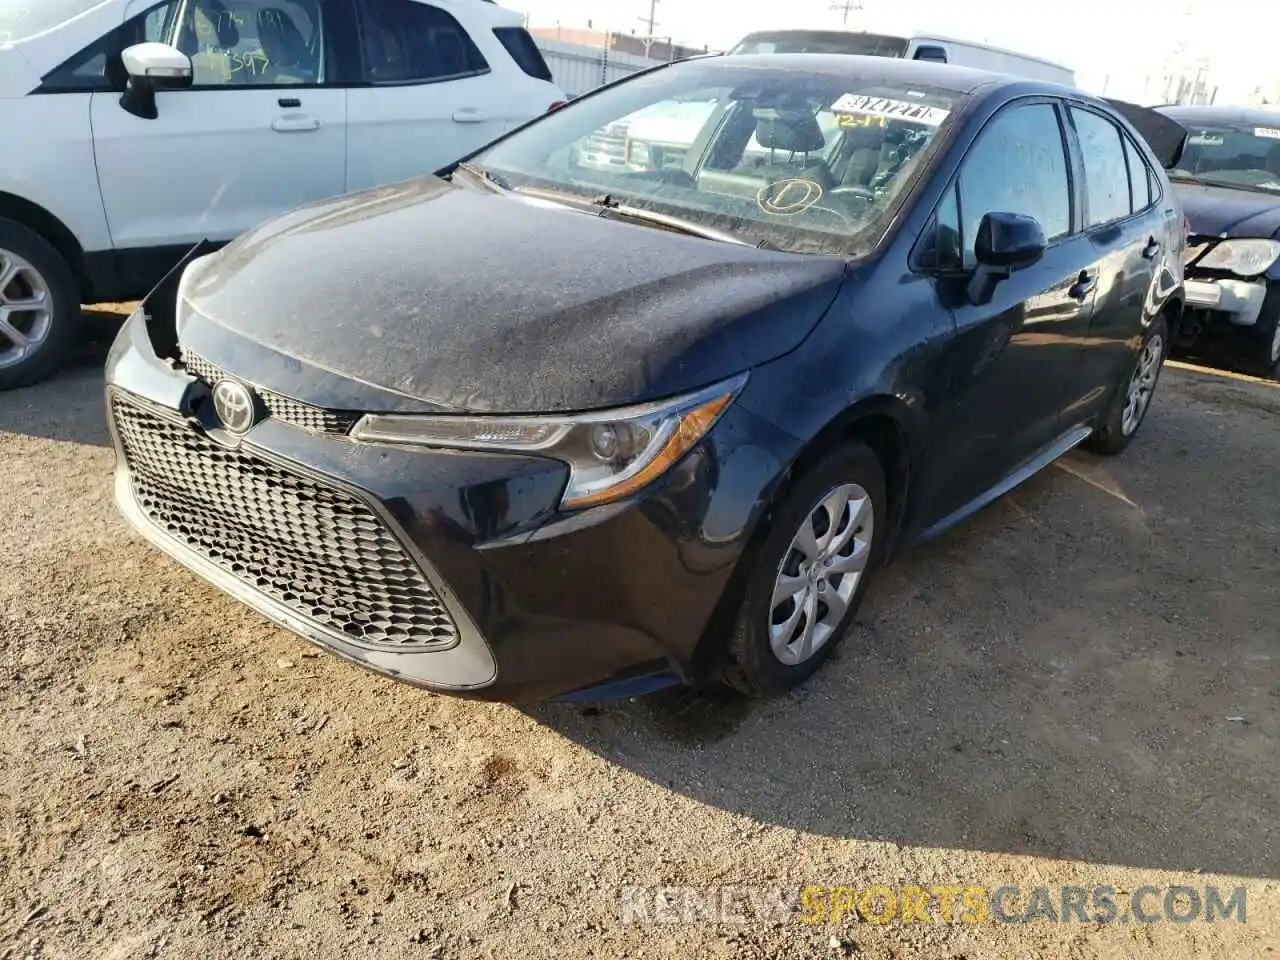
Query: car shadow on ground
(1070,675)
(69,405)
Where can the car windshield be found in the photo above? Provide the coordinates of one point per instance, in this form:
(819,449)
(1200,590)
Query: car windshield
(1237,156)
(800,161)
(20,19)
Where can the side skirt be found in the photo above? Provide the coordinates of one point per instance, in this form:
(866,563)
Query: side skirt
(1068,441)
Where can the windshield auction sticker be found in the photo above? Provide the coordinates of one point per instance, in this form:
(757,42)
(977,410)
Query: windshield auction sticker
(889,109)
(1271,133)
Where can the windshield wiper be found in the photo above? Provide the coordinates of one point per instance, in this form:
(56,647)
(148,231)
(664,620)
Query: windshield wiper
(612,209)
(488,178)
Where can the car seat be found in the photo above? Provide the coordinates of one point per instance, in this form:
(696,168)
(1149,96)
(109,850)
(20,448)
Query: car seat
(289,59)
(385,55)
(207,39)
(858,157)
(797,134)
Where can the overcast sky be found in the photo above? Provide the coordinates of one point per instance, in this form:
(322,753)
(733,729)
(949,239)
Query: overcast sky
(1118,43)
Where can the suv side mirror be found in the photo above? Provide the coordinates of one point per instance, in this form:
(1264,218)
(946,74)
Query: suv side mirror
(152,67)
(1005,242)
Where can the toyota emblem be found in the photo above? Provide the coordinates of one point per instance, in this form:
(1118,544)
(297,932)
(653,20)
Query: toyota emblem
(234,405)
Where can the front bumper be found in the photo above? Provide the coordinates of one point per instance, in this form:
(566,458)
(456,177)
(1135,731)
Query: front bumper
(1238,302)
(543,603)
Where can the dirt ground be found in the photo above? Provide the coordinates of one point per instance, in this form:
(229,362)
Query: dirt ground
(1081,686)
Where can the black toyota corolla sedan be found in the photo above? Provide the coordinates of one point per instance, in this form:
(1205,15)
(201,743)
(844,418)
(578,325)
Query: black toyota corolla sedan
(536,428)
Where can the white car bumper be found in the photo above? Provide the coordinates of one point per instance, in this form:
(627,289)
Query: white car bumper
(1239,300)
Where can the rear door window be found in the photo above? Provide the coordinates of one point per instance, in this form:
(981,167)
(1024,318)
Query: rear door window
(408,42)
(1139,178)
(1106,175)
(524,51)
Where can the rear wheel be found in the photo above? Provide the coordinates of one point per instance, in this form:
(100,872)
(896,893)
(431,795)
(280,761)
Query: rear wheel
(39,307)
(810,574)
(1130,403)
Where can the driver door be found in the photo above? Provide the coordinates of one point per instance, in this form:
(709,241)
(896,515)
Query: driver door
(258,133)
(1014,360)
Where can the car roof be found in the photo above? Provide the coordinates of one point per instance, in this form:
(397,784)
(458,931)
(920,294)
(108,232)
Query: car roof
(1247,116)
(940,76)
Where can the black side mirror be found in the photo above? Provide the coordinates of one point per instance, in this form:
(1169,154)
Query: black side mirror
(1005,242)
(1009,240)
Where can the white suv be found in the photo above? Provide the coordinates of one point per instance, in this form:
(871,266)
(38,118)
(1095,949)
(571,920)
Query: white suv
(135,128)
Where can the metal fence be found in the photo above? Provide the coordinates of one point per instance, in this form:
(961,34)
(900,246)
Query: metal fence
(578,69)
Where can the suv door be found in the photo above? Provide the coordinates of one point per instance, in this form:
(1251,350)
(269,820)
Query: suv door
(260,131)
(1132,235)
(1013,359)
(428,95)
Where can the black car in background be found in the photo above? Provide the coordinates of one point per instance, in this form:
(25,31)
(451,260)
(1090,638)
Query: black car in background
(1228,182)
(532,429)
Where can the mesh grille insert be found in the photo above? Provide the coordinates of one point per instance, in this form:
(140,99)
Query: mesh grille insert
(318,550)
(295,412)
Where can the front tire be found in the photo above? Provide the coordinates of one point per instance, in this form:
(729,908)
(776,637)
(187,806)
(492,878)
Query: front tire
(39,307)
(1265,348)
(810,573)
(1132,399)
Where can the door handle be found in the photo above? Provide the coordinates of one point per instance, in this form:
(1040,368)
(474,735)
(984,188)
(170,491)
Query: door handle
(289,103)
(1151,249)
(1083,286)
(296,124)
(469,115)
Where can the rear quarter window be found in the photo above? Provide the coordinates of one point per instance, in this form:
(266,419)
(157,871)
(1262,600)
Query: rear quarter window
(524,51)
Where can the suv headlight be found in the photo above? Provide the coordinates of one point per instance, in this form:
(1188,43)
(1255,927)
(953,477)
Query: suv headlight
(1245,258)
(611,454)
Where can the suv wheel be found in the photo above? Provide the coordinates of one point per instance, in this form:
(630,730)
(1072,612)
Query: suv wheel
(39,307)
(1130,403)
(810,574)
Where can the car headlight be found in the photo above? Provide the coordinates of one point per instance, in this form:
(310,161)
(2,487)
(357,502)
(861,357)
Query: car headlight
(611,454)
(1245,258)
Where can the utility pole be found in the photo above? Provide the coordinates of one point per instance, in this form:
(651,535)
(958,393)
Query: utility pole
(651,23)
(652,19)
(846,7)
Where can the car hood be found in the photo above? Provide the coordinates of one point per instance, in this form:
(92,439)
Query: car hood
(476,301)
(17,78)
(1224,212)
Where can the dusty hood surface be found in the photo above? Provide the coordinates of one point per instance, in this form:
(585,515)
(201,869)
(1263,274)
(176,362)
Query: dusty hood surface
(476,301)
(1219,211)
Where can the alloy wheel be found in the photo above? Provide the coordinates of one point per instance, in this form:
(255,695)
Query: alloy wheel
(26,309)
(1142,385)
(820,572)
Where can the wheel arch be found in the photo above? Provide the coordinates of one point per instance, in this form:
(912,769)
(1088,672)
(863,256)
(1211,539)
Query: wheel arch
(885,424)
(36,218)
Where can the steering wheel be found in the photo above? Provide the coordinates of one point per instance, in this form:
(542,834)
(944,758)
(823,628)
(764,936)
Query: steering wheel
(858,199)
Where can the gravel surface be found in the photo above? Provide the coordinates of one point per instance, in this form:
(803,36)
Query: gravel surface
(1078,687)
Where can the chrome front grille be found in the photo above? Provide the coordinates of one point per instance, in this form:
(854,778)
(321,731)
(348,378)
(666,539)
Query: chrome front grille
(295,412)
(609,144)
(317,550)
